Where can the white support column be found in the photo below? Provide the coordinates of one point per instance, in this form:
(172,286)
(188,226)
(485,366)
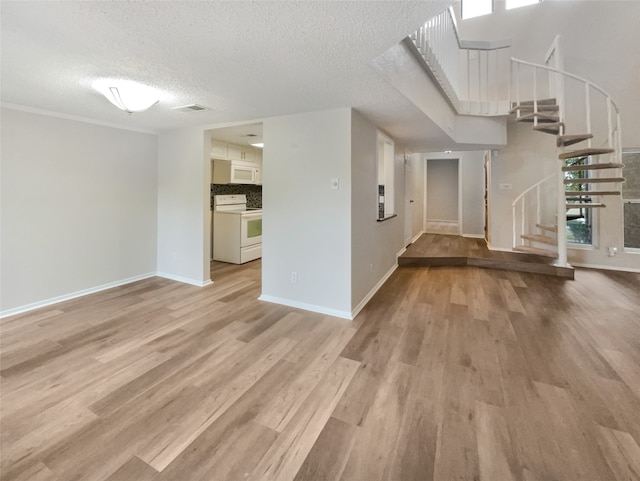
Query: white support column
(561,218)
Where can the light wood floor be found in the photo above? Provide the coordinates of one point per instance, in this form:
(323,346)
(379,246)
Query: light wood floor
(448,374)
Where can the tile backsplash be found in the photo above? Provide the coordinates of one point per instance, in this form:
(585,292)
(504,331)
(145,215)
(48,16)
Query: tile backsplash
(253,192)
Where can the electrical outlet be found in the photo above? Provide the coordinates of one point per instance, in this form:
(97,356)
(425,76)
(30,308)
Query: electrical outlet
(294,278)
(371,267)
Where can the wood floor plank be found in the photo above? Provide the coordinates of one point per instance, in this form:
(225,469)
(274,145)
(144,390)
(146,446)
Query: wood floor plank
(285,457)
(134,469)
(328,457)
(622,453)
(496,455)
(372,461)
(283,407)
(163,450)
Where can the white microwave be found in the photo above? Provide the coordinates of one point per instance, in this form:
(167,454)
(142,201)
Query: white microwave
(235,172)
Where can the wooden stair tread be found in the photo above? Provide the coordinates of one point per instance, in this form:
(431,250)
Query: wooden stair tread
(549,128)
(550,228)
(529,108)
(543,239)
(585,205)
(566,140)
(581,193)
(594,180)
(542,118)
(584,153)
(537,251)
(540,102)
(603,165)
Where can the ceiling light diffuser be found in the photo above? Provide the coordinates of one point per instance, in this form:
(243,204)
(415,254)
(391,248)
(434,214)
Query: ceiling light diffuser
(127,95)
(259,145)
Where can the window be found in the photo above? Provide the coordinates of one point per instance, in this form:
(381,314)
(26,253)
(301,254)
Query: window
(519,3)
(579,219)
(386,154)
(476,8)
(631,199)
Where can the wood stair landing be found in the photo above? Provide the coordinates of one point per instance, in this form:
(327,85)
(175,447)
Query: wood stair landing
(590,193)
(541,117)
(603,165)
(567,140)
(585,205)
(550,128)
(550,228)
(439,250)
(595,180)
(529,103)
(536,250)
(584,153)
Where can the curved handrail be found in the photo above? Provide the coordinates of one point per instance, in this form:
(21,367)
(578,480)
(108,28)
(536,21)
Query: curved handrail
(568,74)
(531,188)
(522,200)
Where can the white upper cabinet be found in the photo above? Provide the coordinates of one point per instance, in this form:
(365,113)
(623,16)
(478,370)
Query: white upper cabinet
(218,149)
(240,152)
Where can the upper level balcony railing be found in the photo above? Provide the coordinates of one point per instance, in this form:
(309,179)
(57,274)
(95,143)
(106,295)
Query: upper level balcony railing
(474,75)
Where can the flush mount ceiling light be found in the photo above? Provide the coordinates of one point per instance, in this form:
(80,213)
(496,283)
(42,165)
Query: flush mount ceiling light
(259,145)
(127,95)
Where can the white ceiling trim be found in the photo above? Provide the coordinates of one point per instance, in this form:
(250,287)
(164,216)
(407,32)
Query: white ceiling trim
(49,113)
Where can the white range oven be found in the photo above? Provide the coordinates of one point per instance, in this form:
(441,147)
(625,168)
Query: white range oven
(237,230)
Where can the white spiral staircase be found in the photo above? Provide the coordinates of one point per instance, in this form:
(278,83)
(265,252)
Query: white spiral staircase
(479,78)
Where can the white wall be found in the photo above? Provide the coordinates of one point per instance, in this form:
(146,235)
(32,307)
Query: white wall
(442,190)
(306,225)
(471,189)
(78,207)
(374,245)
(184,177)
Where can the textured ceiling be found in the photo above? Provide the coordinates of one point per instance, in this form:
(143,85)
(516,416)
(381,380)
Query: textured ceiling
(242,59)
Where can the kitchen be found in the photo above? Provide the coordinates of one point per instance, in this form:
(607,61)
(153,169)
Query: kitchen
(236,194)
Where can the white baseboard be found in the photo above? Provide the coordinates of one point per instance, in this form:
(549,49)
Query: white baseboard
(185,280)
(73,295)
(605,268)
(401,251)
(473,236)
(417,236)
(306,307)
(372,292)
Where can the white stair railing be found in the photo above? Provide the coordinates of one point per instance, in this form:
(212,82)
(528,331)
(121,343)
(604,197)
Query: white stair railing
(472,74)
(533,207)
(593,110)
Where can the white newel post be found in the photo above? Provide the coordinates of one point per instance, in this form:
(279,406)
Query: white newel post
(561,218)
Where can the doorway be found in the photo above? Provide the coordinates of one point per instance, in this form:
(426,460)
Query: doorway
(443,207)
